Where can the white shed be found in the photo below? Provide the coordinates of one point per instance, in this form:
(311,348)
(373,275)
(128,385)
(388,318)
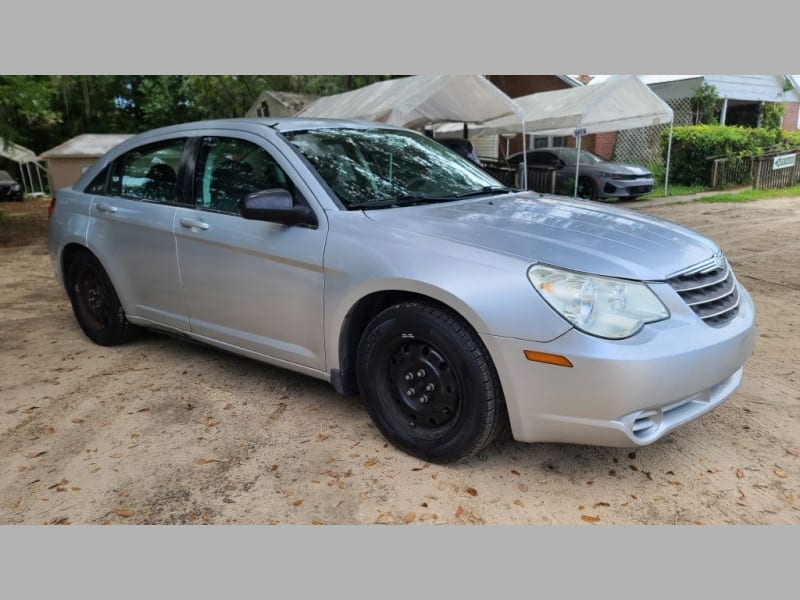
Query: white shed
(66,162)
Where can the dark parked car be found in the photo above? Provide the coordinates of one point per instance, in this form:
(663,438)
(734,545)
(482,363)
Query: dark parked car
(10,189)
(597,178)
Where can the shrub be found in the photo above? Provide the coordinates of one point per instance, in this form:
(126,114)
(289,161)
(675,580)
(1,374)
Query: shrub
(694,145)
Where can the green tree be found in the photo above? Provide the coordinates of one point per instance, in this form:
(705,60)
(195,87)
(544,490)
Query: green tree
(26,107)
(706,104)
(771,115)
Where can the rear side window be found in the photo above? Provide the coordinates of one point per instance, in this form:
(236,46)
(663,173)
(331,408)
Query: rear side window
(98,184)
(148,172)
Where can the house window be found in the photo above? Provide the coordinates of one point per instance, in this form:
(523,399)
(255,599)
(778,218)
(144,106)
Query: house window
(547,141)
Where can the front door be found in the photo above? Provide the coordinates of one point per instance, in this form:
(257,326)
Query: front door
(250,284)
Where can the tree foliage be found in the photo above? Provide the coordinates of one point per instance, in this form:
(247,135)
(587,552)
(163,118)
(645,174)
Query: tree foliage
(706,105)
(43,111)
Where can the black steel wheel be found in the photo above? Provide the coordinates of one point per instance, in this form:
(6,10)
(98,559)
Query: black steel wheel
(95,303)
(429,383)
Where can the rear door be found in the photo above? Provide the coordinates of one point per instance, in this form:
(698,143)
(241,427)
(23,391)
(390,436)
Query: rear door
(250,284)
(131,230)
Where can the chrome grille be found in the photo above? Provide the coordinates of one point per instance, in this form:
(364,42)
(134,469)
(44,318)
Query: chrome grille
(710,290)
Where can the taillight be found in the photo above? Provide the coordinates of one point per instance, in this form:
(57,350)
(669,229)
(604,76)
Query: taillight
(52,207)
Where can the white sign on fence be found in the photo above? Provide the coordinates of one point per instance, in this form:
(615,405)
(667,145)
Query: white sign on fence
(784,161)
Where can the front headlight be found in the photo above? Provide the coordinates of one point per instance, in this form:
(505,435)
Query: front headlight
(601,306)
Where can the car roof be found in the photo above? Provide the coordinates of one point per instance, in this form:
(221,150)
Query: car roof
(4,175)
(281,124)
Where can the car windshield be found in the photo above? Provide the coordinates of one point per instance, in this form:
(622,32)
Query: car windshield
(379,168)
(570,156)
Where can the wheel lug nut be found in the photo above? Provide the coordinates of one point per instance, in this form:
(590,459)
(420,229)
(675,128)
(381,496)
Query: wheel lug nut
(430,387)
(409,376)
(423,399)
(421,373)
(411,392)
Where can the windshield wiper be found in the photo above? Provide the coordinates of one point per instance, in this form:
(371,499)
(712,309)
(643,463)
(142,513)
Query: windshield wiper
(402,200)
(487,190)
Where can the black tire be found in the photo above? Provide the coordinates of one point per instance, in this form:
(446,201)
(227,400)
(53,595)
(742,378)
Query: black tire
(456,407)
(587,189)
(95,302)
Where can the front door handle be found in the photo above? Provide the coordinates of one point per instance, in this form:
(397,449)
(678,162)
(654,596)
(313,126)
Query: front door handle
(194,224)
(106,208)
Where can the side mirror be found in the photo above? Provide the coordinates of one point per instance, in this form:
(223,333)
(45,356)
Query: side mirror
(276,206)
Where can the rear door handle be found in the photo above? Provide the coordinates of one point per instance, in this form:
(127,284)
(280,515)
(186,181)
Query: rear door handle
(106,208)
(194,224)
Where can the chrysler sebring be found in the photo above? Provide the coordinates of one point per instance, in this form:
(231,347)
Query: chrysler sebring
(381,261)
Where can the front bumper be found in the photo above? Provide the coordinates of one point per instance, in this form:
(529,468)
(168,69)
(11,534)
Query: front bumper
(623,392)
(624,188)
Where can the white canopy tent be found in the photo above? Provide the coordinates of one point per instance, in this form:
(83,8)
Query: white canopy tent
(421,100)
(24,158)
(621,102)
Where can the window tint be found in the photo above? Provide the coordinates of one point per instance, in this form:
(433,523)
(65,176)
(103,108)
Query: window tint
(230,169)
(541,158)
(149,172)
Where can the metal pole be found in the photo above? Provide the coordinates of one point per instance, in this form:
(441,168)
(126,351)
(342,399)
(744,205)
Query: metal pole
(39,177)
(578,164)
(524,158)
(30,176)
(22,176)
(669,155)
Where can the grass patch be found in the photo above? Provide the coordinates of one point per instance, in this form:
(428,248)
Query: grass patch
(752,195)
(674,190)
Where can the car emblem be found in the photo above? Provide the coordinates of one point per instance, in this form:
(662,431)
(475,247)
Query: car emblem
(719,260)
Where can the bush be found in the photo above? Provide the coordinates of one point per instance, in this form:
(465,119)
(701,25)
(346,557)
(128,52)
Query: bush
(693,146)
(790,139)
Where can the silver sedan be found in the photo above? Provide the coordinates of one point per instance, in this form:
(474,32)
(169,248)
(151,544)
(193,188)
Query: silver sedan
(379,260)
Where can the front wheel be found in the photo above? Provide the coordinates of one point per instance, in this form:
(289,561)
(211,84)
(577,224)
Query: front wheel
(429,383)
(95,303)
(587,189)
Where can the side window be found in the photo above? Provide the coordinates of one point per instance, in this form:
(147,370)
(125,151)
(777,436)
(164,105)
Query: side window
(148,172)
(229,169)
(540,158)
(98,184)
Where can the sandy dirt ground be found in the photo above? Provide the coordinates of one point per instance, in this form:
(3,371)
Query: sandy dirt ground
(166,432)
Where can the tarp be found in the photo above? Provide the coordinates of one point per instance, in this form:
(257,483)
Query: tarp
(419,100)
(621,102)
(15,152)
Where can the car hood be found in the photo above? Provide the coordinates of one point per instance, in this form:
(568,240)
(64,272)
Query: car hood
(573,234)
(614,168)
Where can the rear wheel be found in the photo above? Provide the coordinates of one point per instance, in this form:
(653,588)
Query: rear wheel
(95,303)
(429,383)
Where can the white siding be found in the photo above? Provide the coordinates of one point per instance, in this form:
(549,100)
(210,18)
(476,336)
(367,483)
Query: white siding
(486,146)
(768,88)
